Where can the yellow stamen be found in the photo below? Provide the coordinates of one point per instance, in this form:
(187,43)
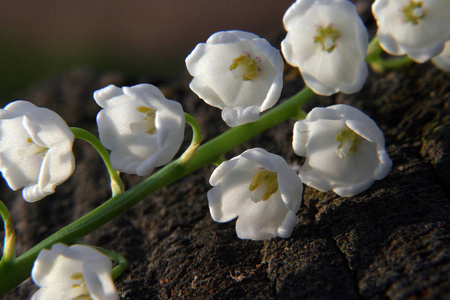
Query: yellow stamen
(268,180)
(36,149)
(247,65)
(413,12)
(149,118)
(349,142)
(80,287)
(327,37)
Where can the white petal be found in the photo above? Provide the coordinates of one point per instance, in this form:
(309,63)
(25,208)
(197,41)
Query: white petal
(221,87)
(222,170)
(238,115)
(232,36)
(20,107)
(342,69)
(103,95)
(351,190)
(442,61)
(325,167)
(291,188)
(97,275)
(359,122)
(36,149)
(227,196)
(300,138)
(262,220)
(133,150)
(18,167)
(257,219)
(44,263)
(385,164)
(420,41)
(226,199)
(296,10)
(53,269)
(286,228)
(263,158)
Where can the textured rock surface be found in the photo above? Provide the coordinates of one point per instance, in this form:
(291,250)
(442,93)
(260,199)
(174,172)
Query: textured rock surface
(392,241)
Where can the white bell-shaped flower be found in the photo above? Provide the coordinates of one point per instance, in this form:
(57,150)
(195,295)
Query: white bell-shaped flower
(35,149)
(75,272)
(327,41)
(416,28)
(442,61)
(238,72)
(344,150)
(261,190)
(140,126)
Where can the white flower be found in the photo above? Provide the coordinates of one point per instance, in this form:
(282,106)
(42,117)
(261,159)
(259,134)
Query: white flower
(140,126)
(416,28)
(327,41)
(344,150)
(75,272)
(35,149)
(238,72)
(442,61)
(261,189)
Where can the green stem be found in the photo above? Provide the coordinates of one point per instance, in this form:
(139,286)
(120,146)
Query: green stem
(234,137)
(197,139)
(196,131)
(395,63)
(120,259)
(117,185)
(379,64)
(9,244)
(373,51)
(207,153)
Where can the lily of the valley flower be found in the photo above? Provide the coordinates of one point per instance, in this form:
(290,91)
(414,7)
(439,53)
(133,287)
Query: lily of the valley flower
(442,61)
(418,28)
(75,272)
(327,41)
(140,126)
(237,72)
(261,190)
(35,149)
(344,150)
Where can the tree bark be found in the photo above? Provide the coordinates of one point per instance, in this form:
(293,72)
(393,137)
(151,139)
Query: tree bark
(391,241)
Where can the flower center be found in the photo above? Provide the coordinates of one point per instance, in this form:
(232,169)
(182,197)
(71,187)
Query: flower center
(79,290)
(148,122)
(32,149)
(413,12)
(327,37)
(246,67)
(265,179)
(349,140)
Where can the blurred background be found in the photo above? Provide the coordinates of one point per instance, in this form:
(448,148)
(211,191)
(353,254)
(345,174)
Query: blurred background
(41,38)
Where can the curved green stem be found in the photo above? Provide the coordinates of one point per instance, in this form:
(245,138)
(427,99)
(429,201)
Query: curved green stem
(117,185)
(207,153)
(379,64)
(197,139)
(196,131)
(120,259)
(9,244)
(395,63)
(373,51)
